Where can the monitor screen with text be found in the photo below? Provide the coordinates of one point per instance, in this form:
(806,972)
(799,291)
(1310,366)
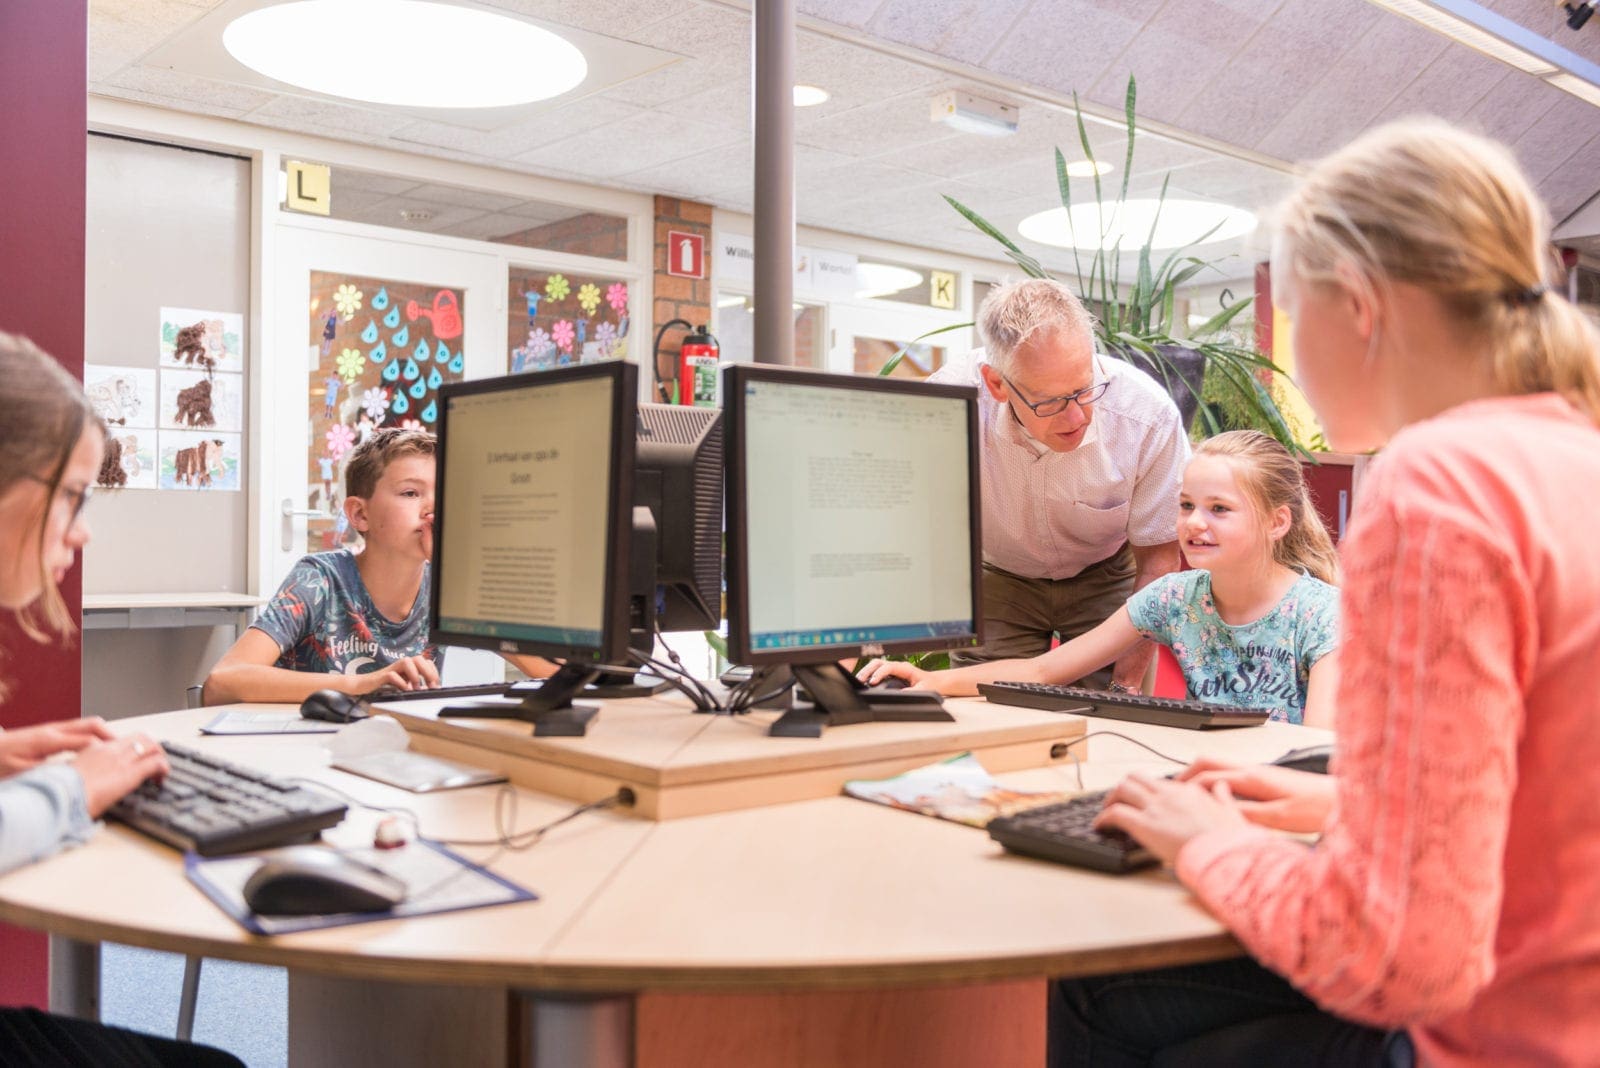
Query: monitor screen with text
(858,512)
(525,512)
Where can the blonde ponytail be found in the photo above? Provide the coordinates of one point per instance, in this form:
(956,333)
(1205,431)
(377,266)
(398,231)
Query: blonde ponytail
(1423,203)
(1273,479)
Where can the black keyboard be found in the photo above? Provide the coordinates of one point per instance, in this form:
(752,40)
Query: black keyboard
(213,806)
(442,693)
(1061,832)
(1162,711)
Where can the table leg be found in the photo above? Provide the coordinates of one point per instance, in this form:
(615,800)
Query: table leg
(592,1030)
(75,978)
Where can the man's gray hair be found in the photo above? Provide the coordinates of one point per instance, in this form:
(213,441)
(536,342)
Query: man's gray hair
(1014,312)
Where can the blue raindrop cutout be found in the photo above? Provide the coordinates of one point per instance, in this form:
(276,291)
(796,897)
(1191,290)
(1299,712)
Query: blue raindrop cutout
(370,334)
(412,370)
(379,353)
(421,351)
(381,300)
(392,320)
(419,389)
(431,412)
(392,372)
(434,379)
(402,337)
(457,364)
(400,405)
(441,354)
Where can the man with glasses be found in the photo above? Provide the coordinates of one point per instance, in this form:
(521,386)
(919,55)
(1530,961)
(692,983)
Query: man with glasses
(1082,459)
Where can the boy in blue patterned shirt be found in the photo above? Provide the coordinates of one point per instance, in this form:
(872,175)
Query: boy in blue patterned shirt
(1252,625)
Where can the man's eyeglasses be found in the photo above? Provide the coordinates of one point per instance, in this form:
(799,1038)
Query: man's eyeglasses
(79,498)
(1056,405)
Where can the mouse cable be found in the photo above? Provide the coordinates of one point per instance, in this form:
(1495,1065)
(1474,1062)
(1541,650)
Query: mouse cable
(712,703)
(702,699)
(1078,764)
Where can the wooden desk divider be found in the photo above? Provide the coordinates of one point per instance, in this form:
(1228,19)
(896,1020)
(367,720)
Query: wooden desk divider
(680,763)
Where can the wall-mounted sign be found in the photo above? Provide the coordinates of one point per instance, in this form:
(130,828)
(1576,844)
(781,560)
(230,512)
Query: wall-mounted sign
(942,289)
(309,187)
(686,254)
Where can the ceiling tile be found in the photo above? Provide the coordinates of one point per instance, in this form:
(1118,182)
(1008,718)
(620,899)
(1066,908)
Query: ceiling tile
(1089,38)
(617,18)
(120,31)
(1517,102)
(963,30)
(1573,183)
(1450,86)
(301,113)
(1549,21)
(900,124)
(852,13)
(633,144)
(219,97)
(1553,136)
(513,140)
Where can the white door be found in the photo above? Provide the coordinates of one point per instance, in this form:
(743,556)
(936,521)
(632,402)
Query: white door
(863,336)
(287,383)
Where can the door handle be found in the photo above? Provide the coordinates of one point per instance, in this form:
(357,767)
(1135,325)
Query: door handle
(289,513)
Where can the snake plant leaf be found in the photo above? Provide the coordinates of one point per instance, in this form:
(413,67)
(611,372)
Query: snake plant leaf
(894,361)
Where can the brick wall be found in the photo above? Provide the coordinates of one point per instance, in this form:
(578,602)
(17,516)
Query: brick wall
(589,234)
(676,298)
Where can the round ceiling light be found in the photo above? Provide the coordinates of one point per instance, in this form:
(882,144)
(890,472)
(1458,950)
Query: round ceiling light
(1082,168)
(809,96)
(410,53)
(1182,222)
(881,279)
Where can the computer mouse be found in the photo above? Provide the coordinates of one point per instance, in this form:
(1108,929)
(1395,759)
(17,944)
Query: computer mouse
(311,880)
(334,707)
(1311,758)
(893,682)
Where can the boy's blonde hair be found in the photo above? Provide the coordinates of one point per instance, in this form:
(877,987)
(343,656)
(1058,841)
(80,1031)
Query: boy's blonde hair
(372,457)
(1429,205)
(43,413)
(1014,312)
(1272,478)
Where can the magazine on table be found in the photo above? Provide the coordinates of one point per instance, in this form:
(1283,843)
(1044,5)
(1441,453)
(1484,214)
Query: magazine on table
(958,789)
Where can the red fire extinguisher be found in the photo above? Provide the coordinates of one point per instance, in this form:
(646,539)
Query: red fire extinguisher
(698,380)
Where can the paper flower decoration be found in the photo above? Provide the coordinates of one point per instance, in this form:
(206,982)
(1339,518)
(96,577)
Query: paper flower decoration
(411,424)
(339,439)
(538,341)
(588,297)
(376,402)
(557,288)
(561,333)
(350,364)
(617,297)
(605,333)
(348,300)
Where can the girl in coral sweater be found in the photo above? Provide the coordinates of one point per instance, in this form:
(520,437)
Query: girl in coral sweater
(1449,912)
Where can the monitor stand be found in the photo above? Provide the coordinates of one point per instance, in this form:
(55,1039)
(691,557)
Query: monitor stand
(549,708)
(613,685)
(839,698)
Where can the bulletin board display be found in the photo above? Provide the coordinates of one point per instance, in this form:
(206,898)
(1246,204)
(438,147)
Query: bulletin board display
(558,318)
(381,350)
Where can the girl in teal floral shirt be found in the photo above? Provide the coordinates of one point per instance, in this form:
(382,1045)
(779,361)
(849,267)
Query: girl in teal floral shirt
(1251,625)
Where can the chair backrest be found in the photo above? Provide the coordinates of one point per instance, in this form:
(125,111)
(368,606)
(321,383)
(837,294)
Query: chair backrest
(194,696)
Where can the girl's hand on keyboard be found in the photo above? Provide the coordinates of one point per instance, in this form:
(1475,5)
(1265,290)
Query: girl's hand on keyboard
(1281,798)
(111,769)
(407,673)
(24,747)
(1163,814)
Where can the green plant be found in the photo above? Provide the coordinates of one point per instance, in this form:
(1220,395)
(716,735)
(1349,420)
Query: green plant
(1137,320)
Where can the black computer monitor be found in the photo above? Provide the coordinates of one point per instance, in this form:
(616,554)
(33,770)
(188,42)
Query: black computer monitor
(853,529)
(678,476)
(533,524)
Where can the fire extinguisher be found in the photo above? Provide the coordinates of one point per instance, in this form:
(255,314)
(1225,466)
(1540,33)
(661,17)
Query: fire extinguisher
(698,380)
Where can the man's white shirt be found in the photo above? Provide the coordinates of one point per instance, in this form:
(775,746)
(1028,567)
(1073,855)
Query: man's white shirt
(1050,515)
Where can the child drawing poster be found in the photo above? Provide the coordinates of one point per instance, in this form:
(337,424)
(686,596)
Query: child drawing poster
(203,340)
(379,351)
(201,400)
(122,396)
(559,319)
(198,460)
(130,460)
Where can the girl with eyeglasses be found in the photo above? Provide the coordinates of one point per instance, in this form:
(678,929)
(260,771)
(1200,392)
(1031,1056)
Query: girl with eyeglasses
(51,444)
(1251,625)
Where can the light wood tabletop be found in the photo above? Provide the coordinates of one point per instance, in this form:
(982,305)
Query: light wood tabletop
(810,894)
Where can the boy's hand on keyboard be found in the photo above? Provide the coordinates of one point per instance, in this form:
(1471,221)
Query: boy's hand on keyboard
(26,747)
(407,673)
(1281,798)
(1163,814)
(111,769)
(877,671)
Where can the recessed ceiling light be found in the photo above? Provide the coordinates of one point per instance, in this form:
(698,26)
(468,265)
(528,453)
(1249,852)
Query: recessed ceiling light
(809,96)
(410,53)
(881,279)
(415,214)
(1082,168)
(1182,222)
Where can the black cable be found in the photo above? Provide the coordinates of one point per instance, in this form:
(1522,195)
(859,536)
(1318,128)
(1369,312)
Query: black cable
(677,661)
(1078,763)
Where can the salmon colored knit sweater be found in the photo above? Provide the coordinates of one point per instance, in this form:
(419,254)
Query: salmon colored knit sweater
(1455,890)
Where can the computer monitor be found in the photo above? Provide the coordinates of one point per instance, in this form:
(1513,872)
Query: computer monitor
(853,529)
(678,476)
(532,527)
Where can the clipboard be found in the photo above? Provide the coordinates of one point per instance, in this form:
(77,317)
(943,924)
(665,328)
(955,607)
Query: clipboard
(417,772)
